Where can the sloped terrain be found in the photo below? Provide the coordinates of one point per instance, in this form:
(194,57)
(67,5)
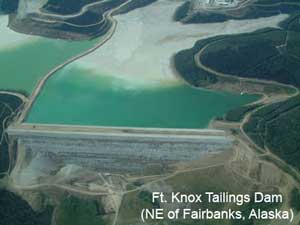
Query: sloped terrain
(8,105)
(86,19)
(188,13)
(277,127)
(16,211)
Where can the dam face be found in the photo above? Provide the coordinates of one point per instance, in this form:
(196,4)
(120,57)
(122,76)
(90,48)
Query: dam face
(117,149)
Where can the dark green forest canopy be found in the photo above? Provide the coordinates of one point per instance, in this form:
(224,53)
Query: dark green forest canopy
(268,54)
(16,211)
(73,6)
(9,6)
(66,6)
(277,127)
(76,211)
(237,114)
(8,105)
(92,21)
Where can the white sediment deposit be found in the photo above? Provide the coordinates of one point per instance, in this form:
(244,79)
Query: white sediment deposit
(29,6)
(141,49)
(39,165)
(9,38)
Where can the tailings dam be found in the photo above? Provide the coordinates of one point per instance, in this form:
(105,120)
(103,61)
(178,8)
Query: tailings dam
(128,85)
(117,149)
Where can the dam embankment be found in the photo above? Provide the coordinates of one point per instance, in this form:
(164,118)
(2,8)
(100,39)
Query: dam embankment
(118,149)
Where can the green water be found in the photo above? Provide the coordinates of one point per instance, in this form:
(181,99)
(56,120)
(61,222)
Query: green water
(21,67)
(73,96)
(76,96)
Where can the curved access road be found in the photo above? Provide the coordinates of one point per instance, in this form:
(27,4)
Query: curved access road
(82,10)
(270,100)
(19,95)
(220,74)
(41,83)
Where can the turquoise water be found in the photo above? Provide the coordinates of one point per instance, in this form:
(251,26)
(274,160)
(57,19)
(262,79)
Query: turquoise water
(74,96)
(21,67)
(77,96)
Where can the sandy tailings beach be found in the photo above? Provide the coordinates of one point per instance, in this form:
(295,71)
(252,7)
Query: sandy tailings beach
(129,81)
(141,49)
(9,38)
